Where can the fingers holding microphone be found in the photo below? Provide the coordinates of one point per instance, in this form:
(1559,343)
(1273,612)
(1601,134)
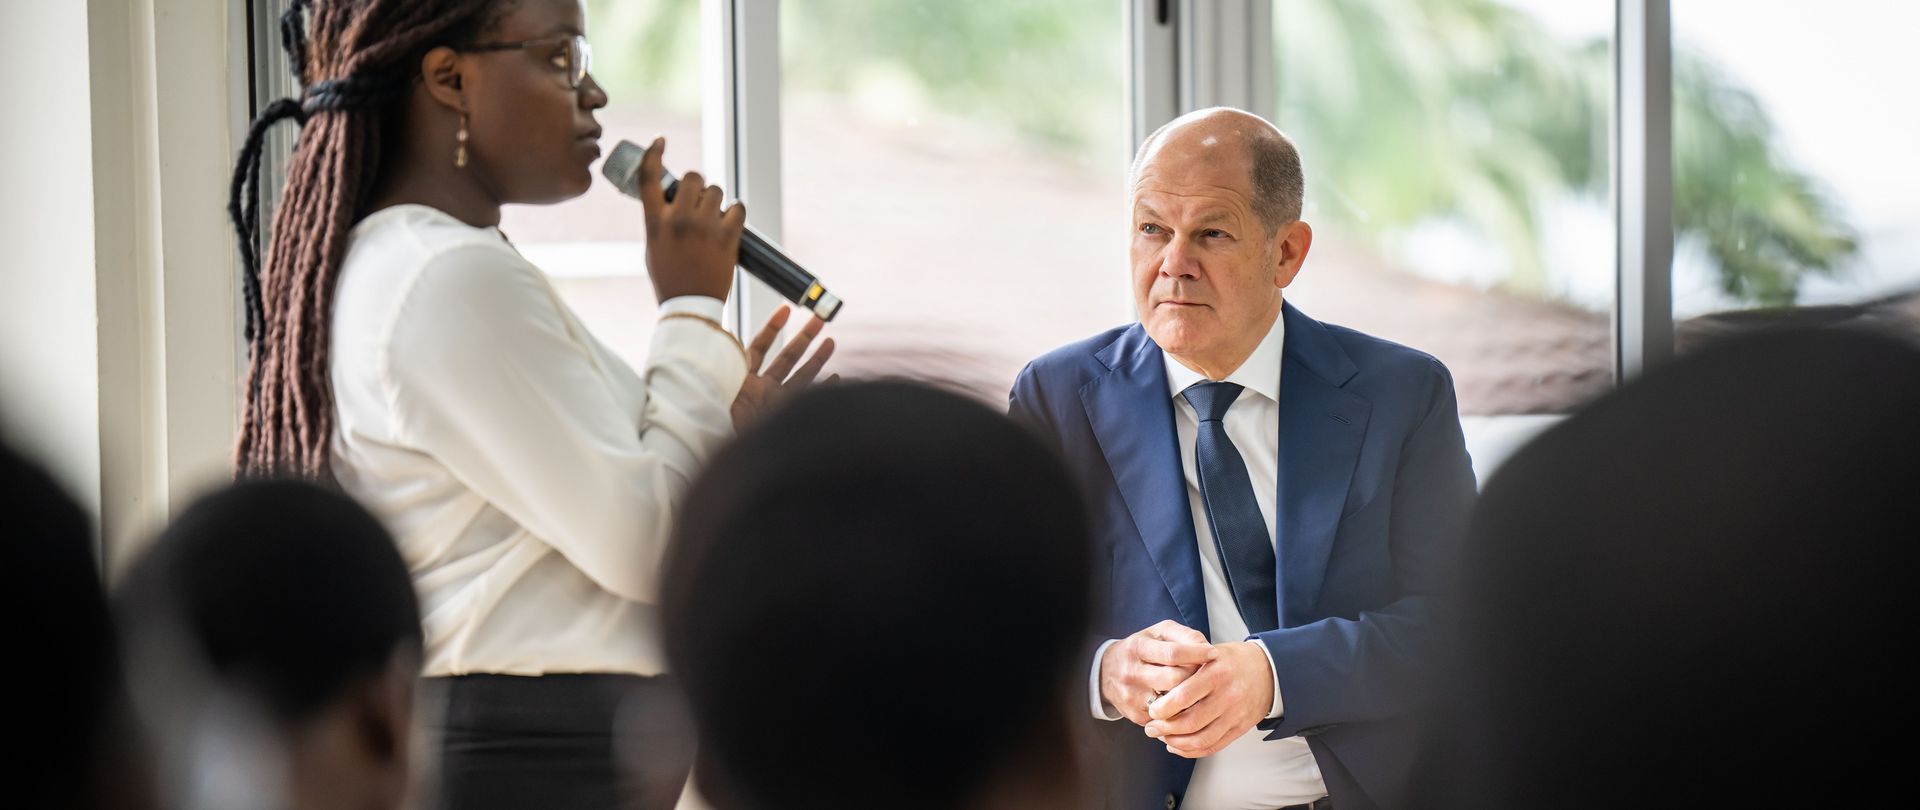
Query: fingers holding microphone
(704,198)
(652,196)
(691,247)
(637,172)
(706,205)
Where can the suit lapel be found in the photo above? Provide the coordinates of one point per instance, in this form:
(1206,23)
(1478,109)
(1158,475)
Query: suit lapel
(1322,426)
(1132,417)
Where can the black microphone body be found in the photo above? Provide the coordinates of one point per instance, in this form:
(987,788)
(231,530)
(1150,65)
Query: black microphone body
(759,256)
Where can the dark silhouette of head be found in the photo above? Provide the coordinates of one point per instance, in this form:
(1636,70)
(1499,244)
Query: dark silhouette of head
(878,597)
(64,689)
(1693,593)
(287,606)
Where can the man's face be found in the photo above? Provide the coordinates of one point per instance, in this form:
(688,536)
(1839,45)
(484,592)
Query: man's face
(1206,274)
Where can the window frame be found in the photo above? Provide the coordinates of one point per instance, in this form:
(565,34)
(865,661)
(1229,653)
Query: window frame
(1182,55)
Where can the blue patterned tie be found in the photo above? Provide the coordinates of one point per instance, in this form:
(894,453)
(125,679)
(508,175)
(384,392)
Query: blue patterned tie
(1239,530)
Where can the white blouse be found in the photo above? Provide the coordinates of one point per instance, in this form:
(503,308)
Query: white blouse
(528,474)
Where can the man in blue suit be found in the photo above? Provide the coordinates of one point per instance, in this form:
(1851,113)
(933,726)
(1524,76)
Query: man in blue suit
(1277,500)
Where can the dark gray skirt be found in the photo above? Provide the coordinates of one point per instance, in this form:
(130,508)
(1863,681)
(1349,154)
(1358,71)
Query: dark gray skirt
(565,742)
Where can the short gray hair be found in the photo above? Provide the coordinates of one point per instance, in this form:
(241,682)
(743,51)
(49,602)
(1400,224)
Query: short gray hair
(1279,185)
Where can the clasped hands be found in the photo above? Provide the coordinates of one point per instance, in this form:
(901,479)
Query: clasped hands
(1192,695)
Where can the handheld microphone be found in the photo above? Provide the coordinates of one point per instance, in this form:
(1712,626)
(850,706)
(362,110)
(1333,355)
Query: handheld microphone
(760,256)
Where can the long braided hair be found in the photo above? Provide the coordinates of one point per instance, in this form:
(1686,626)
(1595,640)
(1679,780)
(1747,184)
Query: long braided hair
(357,60)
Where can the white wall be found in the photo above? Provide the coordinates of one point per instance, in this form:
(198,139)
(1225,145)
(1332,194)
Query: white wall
(119,317)
(49,372)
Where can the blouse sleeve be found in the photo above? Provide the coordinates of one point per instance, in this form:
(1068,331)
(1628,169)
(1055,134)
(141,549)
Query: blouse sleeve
(486,377)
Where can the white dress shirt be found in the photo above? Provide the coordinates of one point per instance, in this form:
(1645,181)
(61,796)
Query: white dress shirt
(528,475)
(1250,772)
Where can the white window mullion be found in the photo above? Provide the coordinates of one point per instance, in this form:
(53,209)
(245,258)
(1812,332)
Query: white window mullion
(1226,56)
(1643,185)
(1153,70)
(740,120)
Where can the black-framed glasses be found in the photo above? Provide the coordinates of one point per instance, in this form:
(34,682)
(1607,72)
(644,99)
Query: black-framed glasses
(578,57)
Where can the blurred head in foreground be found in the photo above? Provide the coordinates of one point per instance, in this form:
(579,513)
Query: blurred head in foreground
(69,710)
(879,598)
(1694,592)
(275,639)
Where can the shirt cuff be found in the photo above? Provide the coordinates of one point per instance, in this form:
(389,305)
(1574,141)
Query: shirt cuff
(1101,711)
(700,306)
(1279,706)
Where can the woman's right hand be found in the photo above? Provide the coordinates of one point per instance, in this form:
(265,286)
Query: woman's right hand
(692,246)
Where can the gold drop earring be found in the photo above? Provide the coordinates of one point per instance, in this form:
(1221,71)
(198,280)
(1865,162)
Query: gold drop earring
(460,152)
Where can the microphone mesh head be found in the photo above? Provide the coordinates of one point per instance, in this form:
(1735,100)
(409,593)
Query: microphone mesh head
(622,168)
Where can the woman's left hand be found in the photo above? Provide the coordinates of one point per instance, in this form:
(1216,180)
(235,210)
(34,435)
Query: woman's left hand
(766,387)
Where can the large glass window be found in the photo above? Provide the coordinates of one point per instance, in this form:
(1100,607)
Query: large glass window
(1457,163)
(646,55)
(1794,165)
(955,172)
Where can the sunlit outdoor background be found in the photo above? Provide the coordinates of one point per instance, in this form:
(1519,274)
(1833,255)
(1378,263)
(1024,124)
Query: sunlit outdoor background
(956,171)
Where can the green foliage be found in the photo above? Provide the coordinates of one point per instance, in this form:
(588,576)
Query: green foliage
(1409,110)
(1414,109)
(1405,110)
(1049,69)
(1765,224)
(649,47)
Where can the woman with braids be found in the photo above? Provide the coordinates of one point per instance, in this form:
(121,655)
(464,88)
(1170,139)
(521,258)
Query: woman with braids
(402,348)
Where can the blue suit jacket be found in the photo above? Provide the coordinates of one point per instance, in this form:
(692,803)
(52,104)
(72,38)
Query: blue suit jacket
(1373,494)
